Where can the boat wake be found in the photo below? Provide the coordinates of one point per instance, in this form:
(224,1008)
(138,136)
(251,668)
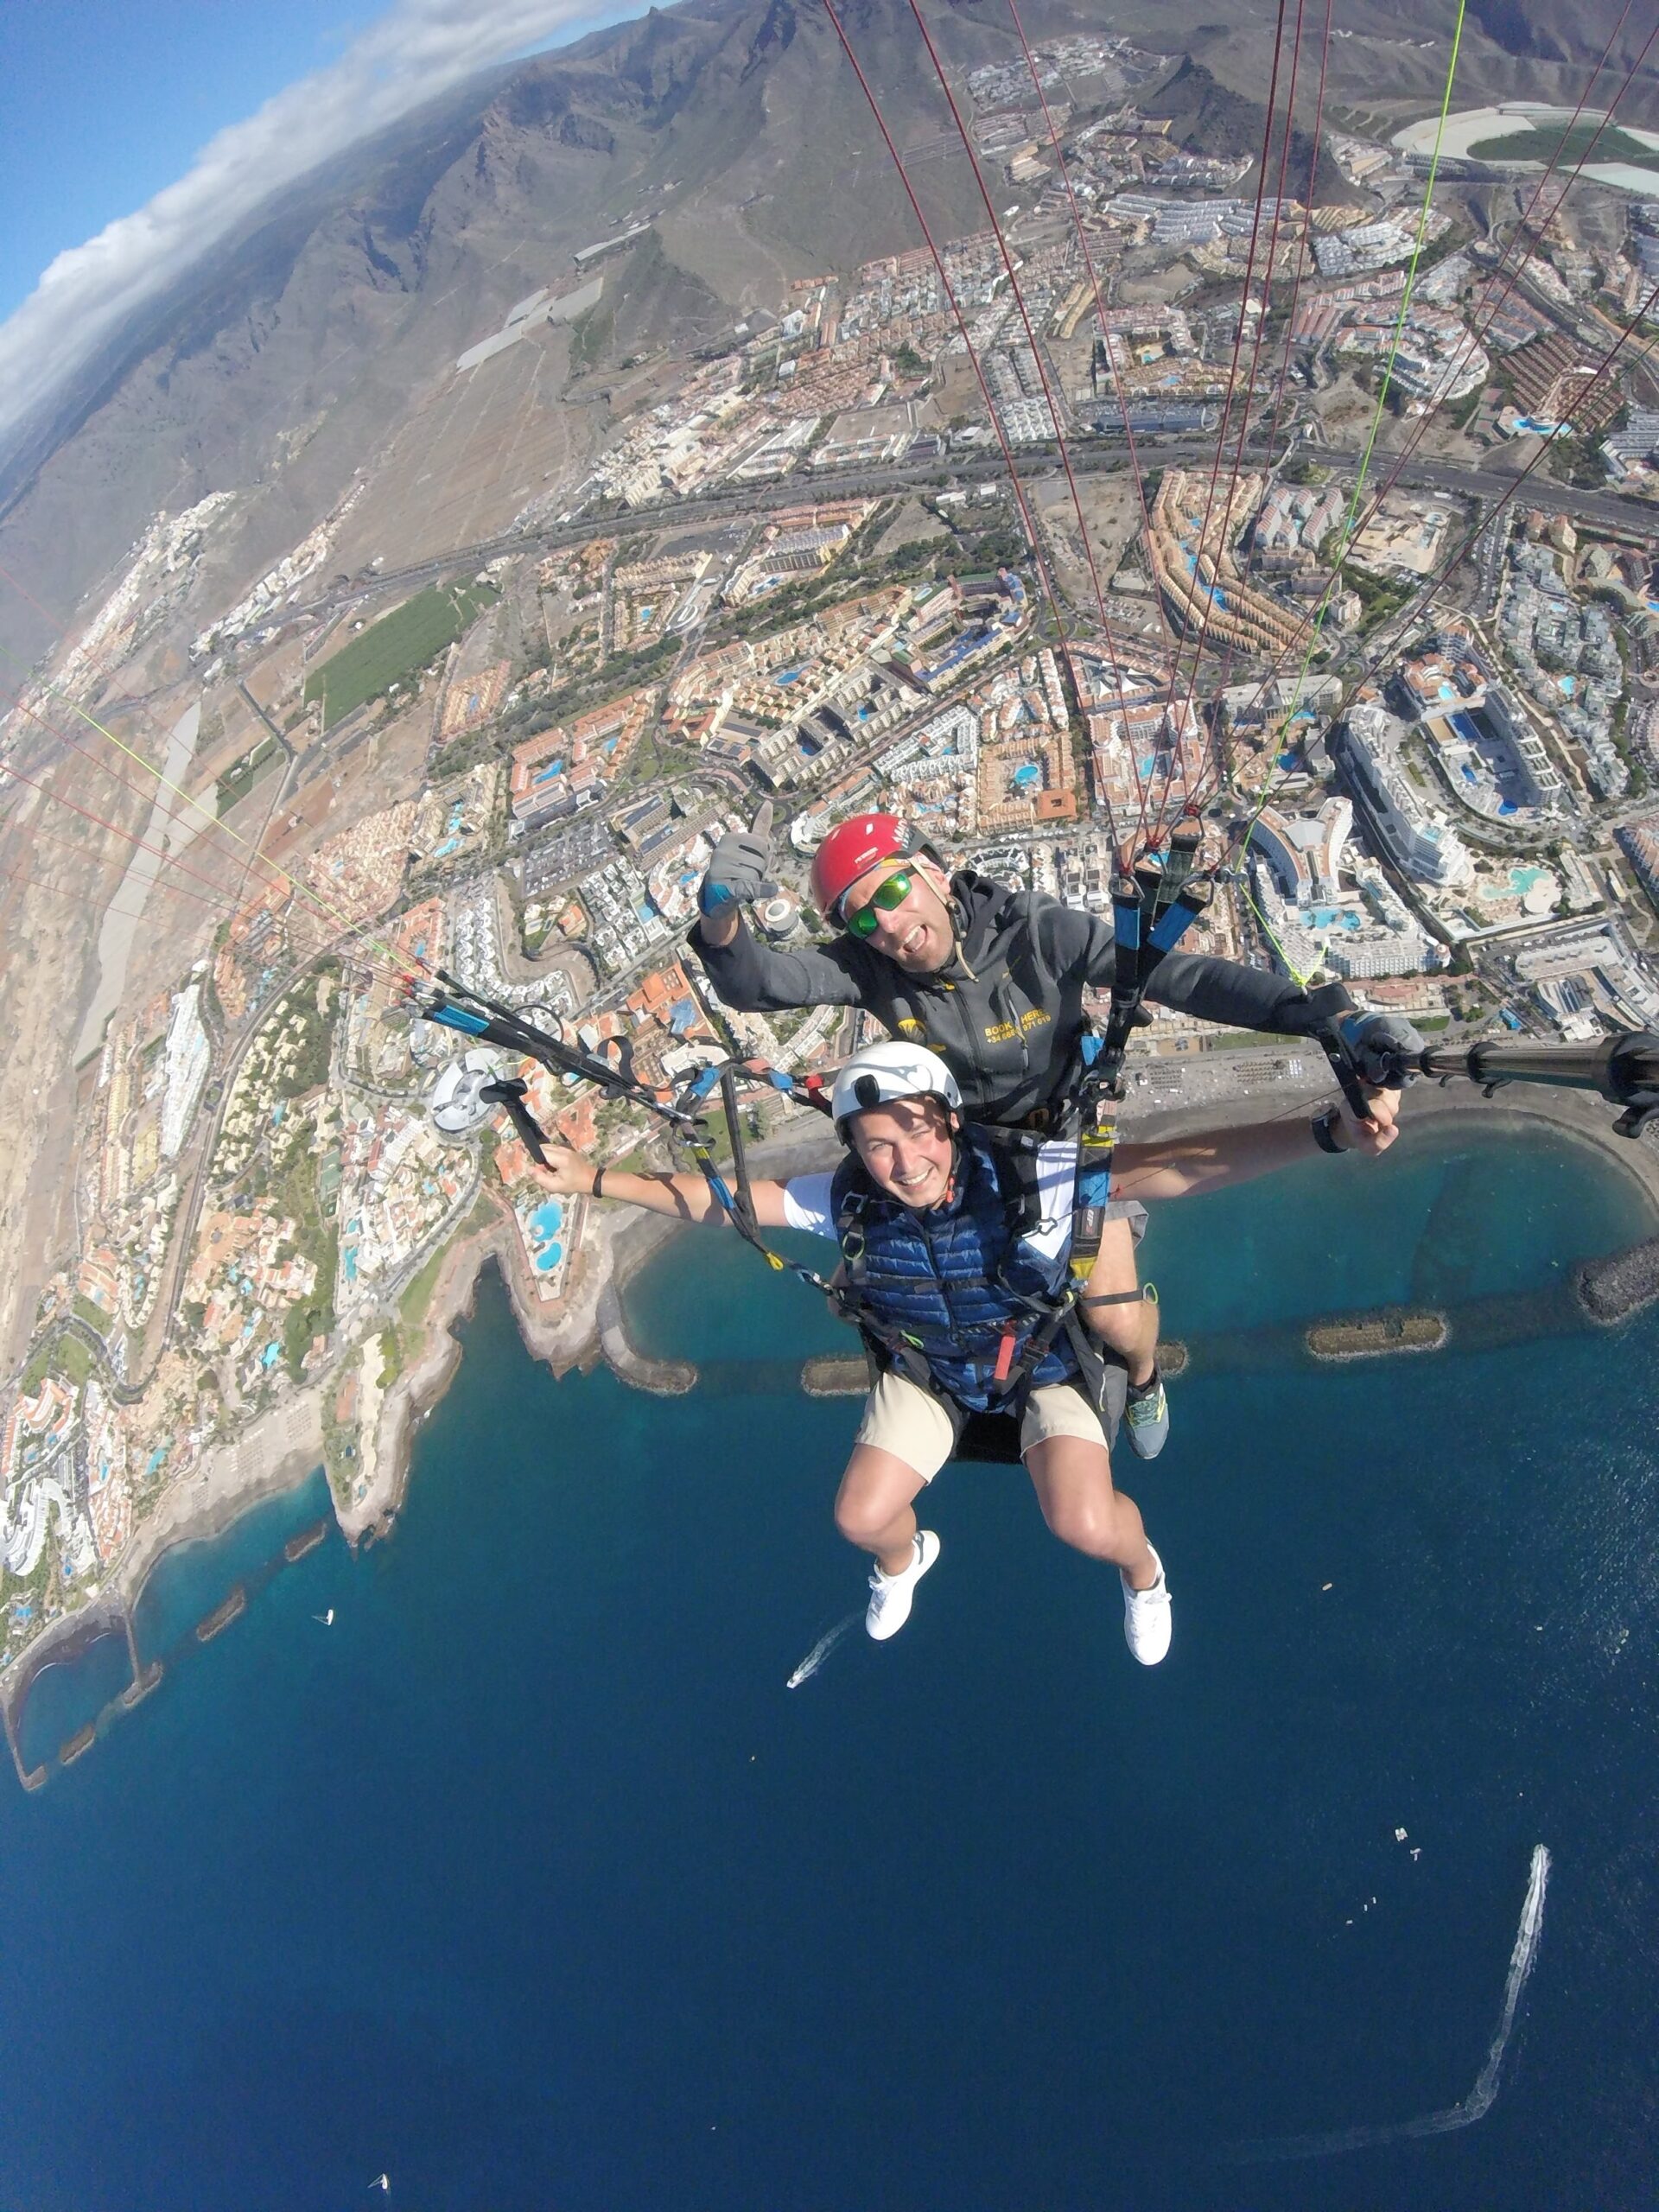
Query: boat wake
(1480,2099)
(820,1651)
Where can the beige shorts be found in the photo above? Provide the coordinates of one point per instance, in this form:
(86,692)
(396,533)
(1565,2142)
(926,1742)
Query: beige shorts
(902,1418)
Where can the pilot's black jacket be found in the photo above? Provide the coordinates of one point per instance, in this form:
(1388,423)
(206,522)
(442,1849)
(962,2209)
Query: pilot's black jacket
(1006,1015)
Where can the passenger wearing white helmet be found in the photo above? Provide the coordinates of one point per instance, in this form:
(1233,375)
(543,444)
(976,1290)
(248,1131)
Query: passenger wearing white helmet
(953,1286)
(991,978)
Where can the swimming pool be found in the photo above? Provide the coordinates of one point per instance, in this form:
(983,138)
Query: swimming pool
(1216,597)
(543,1227)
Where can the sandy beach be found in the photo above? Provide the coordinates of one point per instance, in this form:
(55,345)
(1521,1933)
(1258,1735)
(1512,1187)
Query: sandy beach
(1578,1115)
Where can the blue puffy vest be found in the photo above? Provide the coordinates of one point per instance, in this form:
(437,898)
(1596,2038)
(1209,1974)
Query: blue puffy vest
(949,1280)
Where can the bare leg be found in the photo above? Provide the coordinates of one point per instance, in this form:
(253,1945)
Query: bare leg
(874,1506)
(1073,1479)
(1129,1329)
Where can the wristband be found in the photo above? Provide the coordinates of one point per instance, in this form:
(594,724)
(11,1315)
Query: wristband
(1323,1128)
(598,1190)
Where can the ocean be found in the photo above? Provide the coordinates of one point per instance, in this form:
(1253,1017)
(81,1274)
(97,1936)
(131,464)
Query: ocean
(527,1882)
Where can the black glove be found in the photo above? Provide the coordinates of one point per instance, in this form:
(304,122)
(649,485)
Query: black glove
(1382,1044)
(737,873)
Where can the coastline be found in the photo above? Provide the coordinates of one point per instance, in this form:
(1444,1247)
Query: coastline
(280,1451)
(591,1326)
(284,1448)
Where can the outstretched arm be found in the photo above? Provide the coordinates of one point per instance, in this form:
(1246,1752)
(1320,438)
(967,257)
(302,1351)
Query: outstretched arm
(1208,989)
(1199,984)
(689,1197)
(757,978)
(1179,1167)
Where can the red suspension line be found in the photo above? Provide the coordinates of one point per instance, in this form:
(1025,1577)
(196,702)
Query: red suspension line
(1307,224)
(57,621)
(1483,330)
(1016,486)
(1049,395)
(1296,282)
(125,783)
(318,905)
(1100,302)
(1396,628)
(1413,611)
(139,844)
(1189,702)
(128,837)
(158,883)
(1232,380)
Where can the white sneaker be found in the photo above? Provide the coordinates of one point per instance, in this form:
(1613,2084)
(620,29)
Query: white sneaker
(890,1594)
(1147,1622)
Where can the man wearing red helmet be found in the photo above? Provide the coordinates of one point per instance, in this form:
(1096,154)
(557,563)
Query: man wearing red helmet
(992,979)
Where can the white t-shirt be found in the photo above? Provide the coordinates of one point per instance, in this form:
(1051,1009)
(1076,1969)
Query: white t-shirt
(807,1202)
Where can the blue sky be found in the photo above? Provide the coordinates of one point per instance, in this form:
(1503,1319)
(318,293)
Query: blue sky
(134,135)
(102,104)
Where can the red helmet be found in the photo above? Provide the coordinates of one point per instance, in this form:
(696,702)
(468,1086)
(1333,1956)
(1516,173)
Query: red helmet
(852,848)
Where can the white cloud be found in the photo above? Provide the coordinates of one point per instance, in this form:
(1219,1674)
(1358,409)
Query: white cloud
(416,51)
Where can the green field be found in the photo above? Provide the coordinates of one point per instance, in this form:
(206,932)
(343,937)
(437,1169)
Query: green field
(238,778)
(399,645)
(1554,142)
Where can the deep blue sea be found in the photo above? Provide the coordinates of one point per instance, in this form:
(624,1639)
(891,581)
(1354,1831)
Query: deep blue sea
(528,1883)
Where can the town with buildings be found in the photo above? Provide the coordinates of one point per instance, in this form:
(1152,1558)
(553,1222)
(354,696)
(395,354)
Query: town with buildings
(1420,725)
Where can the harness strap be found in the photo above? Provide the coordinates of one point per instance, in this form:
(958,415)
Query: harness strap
(1016,1156)
(745,1206)
(901,1349)
(1097,1147)
(1176,919)
(1013,1156)
(1152,911)
(1126,980)
(1184,845)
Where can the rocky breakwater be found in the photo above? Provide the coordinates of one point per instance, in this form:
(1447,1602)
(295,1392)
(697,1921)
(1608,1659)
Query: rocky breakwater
(1374,1336)
(664,1378)
(1610,1290)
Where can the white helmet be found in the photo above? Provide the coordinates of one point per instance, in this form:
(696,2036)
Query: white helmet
(881,1073)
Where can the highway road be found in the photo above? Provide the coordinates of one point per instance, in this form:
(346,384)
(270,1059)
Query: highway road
(1089,456)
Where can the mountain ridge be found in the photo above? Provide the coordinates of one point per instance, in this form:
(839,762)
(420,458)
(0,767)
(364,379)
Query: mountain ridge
(278,366)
